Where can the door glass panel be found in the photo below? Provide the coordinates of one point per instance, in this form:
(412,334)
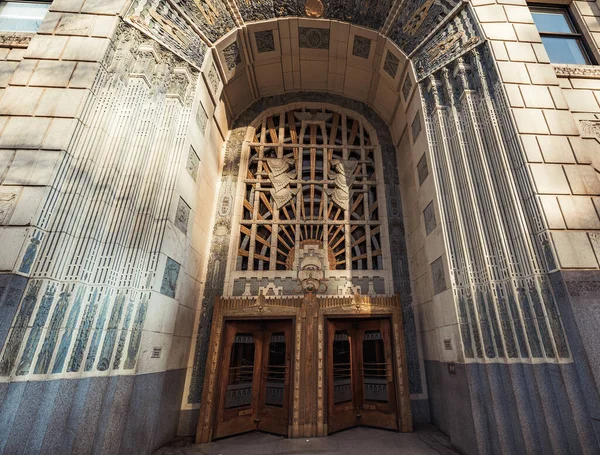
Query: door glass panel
(241,372)
(276,371)
(342,368)
(374,367)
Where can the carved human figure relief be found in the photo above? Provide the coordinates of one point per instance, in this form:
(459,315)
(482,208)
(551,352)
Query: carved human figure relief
(344,178)
(281,179)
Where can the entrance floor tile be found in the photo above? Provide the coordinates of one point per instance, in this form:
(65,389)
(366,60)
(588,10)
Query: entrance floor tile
(426,440)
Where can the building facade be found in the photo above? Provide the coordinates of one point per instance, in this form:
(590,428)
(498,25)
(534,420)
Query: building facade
(226,215)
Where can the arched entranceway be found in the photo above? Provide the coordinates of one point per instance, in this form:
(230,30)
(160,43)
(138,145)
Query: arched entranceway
(309,204)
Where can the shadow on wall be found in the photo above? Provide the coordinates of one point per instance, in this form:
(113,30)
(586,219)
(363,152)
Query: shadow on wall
(118,414)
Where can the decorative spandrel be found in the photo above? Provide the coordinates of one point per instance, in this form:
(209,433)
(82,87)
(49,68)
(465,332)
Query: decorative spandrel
(311,180)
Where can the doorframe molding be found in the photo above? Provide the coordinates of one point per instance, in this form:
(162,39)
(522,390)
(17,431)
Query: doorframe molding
(309,313)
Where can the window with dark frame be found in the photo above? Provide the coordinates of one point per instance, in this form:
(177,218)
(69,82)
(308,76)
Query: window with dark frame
(560,35)
(22,16)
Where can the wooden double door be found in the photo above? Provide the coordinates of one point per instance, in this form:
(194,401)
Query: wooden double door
(254,384)
(361,385)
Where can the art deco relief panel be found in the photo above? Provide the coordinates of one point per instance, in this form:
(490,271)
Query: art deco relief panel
(93,277)
(310,186)
(304,194)
(187,27)
(505,312)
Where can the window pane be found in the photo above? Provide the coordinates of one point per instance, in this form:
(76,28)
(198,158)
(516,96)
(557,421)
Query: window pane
(551,22)
(564,50)
(22,17)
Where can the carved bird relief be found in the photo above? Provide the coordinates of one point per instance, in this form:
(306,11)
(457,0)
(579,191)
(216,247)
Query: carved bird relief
(314,8)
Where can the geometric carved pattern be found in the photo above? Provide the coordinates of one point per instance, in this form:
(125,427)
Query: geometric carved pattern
(429,217)
(458,37)
(213,79)
(193,163)
(437,274)
(201,118)
(362,47)
(169,281)
(422,169)
(232,55)
(310,178)
(165,19)
(264,41)
(182,217)
(505,311)
(313,38)
(391,64)
(163,22)
(85,306)
(416,127)
(416,20)
(406,87)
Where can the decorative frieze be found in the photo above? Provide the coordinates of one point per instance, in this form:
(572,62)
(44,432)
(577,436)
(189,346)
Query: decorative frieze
(577,71)
(367,13)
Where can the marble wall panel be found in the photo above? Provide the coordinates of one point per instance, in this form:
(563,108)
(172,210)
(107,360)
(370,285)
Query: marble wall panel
(94,415)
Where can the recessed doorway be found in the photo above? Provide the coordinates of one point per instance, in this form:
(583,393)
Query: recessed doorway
(361,388)
(255,378)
